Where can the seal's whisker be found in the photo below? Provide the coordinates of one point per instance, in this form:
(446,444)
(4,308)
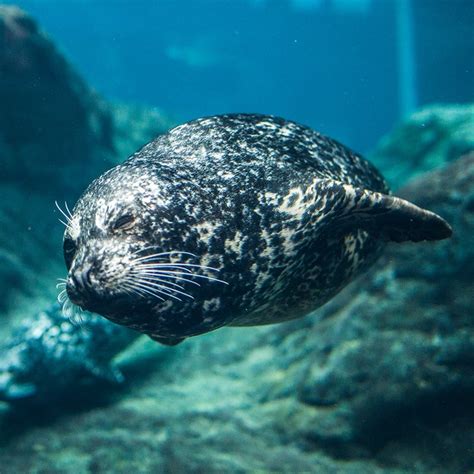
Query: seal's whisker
(161,254)
(180,265)
(61,285)
(68,210)
(63,280)
(144,294)
(172,273)
(130,290)
(171,252)
(62,296)
(139,286)
(160,289)
(66,308)
(156,278)
(188,271)
(144,249)
(166,275)
(72,312)
(164,284)
(68,218)
(65,224)
(166,290)
(150,266)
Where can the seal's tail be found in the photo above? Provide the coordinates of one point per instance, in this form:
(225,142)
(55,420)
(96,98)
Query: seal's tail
(388,216)
(403,221)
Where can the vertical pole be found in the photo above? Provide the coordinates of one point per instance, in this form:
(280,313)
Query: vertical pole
(406,58)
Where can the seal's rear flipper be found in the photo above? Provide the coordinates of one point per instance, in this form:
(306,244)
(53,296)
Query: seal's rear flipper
(388,216)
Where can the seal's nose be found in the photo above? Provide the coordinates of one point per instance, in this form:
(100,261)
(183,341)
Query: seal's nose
(82,278)
(79,282)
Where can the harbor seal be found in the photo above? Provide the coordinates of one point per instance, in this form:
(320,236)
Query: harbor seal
(238,220)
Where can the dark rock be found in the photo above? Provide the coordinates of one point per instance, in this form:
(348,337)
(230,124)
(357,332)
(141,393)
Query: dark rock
(49,116)
(56,135)
(431,137)
(51,357)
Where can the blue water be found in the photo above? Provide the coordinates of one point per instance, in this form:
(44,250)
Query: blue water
(379,380)
(350,68)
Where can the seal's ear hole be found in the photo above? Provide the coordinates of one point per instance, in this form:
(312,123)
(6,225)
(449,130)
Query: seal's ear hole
(124,222)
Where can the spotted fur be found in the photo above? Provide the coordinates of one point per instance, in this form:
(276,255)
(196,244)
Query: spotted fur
(286,215)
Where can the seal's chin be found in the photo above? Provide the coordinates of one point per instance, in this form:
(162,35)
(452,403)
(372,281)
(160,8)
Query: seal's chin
(76,296)
(100,300)
(87,302)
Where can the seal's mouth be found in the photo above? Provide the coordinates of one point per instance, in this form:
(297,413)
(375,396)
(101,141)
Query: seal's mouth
(79,289)
(80,294)
(113,286)
(89,285)
(76,292)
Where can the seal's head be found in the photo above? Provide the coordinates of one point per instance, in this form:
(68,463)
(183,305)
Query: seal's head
(123,257)
(106,236)
(97,240)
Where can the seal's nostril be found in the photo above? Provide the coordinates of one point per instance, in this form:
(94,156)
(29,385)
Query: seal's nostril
(82,278)
(75,281)
(85,276)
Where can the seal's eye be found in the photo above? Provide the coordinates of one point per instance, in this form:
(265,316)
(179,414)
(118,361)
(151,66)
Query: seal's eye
(69,250)
(124,222)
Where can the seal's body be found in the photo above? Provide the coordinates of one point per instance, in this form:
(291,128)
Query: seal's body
(283,215)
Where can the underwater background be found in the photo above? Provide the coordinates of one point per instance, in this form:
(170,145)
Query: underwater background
(381,379)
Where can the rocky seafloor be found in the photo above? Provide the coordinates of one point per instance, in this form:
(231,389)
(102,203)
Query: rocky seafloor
(381,379)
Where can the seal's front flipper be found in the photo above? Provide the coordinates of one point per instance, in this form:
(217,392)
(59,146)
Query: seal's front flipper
(167,341)
(388,216)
